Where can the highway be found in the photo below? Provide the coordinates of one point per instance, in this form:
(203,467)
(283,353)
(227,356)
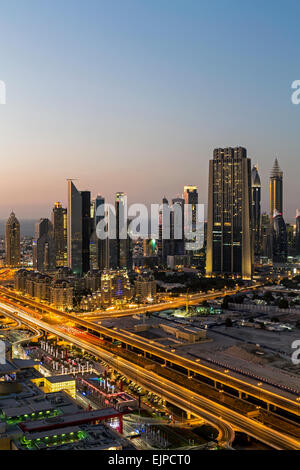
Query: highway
(247,385)
(223,418)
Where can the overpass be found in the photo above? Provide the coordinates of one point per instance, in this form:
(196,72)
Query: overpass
(224,419)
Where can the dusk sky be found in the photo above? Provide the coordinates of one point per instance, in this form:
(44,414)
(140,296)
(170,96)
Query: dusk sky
(134,95)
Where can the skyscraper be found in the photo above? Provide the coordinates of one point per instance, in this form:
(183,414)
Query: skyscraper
(190,196)
(229,244)
(122,241)
(59,222)
(276,190)
(44,246)
(78,229)
(280,245)
(297,235)
(12,241)
(256,210)
(86,229)
(177,226)
(100,244)
(74,228)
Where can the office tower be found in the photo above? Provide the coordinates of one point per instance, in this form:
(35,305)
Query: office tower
(74,228)
(276,191)
(256,211)
(121,249)
(297,235)
(59,222)
(190,196)
(266,236)
(280,247)
(177,226)
(86,229)
(101,245)
(229,244)
(164,245)
(78,229)
(44,246)
(290,234)
(12,241)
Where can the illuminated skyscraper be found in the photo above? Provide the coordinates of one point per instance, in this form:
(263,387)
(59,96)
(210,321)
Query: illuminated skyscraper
(190,196)
(229,244)
(276,190)
(256,210)
(12,241)
(59,222)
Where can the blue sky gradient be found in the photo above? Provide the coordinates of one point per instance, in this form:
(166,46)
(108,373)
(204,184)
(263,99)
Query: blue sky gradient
(133,96)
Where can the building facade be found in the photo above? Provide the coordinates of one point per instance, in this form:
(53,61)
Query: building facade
(229,237)
(276,190)
(256,210)
(12,241)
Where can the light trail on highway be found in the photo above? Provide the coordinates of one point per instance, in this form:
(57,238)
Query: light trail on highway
(223,418)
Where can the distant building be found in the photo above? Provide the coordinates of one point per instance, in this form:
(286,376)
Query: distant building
(12,241)
(145,287)
(44,246)
(297,235)
(280,247)
(61,295)
(79,228)
(256,210)
(58,292)
(59,222)
(115,287)
(229,238)
(276,190)
(266,236)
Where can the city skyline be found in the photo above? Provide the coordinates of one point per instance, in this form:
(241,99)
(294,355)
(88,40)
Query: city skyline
(141,92)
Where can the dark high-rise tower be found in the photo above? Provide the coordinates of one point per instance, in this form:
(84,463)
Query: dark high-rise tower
(280,245)
(86,229)
(276,190)
(12,241)
(79,229)
(297,235)
(44,246)
(256,210)
(74,229)
(229,238)
(59,222)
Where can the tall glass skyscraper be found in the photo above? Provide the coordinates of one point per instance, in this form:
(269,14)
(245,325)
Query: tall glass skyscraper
(297,235)
(74,230)
(276,190)
(12,241)
(229,237)
(256,210)
(59,222)
(280,245)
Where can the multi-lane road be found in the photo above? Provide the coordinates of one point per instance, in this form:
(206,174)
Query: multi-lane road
(224,419)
